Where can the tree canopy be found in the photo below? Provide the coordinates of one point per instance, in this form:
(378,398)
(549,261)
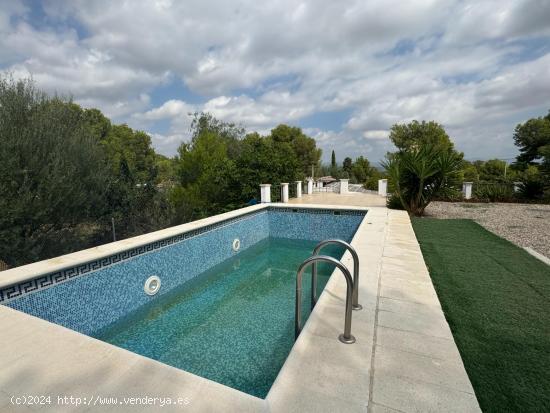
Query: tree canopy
(361,169)
(53,174)
(347,165)
(220,169)
(65,172)
(416,134)
(533,140)
(303,146)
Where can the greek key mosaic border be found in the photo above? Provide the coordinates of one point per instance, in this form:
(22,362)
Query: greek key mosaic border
(47,280)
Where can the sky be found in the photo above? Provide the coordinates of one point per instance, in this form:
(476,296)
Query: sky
(344,71)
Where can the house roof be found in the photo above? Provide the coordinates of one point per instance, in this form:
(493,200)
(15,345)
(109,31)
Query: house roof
(327,179)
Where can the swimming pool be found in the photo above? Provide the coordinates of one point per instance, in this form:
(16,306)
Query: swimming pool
(220,313)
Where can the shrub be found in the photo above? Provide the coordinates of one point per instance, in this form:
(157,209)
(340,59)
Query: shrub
(531,189)
(371,183)
(394,202)
(494,192)
(532,185)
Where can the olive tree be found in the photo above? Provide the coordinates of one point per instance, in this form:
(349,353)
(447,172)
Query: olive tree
(53,175)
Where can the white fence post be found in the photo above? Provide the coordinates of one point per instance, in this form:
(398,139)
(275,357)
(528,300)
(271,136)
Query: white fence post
(284,192)
(467,189)
(265,192)
(309,186)
(344,189)
(383,187)
(298,189)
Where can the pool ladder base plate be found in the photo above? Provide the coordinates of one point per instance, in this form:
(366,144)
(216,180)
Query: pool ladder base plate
(349,340)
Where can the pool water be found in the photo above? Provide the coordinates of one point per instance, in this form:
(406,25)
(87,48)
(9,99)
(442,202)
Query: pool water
(234,323)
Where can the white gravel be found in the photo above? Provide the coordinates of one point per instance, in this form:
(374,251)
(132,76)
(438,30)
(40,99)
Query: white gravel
(526,225)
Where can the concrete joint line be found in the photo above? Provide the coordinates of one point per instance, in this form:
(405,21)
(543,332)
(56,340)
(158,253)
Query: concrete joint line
(379,286)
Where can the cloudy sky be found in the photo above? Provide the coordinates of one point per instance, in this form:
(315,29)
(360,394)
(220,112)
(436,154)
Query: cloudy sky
(344,71)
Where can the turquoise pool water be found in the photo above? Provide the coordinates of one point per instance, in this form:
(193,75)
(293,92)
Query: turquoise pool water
(233,324)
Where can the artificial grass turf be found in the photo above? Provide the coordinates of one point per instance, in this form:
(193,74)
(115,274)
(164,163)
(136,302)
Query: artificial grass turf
(496,298)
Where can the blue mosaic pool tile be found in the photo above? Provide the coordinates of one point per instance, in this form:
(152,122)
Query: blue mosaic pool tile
(88,299)
(48,280)
(320,225)
(92,301)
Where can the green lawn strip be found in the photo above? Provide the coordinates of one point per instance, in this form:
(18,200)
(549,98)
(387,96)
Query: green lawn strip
(496,298)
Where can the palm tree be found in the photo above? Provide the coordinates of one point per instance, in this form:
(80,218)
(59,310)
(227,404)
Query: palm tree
(418,175)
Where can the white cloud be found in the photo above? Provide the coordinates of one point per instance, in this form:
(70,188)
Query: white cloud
(167,144)
(272,108)
(376,134)
(169,110)
(498,19)
(477,67)
(60,63)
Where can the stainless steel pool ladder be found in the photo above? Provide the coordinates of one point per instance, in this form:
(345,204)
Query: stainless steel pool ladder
(316,250)
(346,337)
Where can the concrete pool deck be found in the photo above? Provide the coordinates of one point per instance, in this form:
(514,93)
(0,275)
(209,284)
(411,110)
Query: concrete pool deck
(405,358)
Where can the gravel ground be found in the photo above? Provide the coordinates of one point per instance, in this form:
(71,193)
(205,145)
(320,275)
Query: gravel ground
(526,225)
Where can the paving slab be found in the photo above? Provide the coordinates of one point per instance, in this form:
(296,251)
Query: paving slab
(409,307)
(416,294)
(436,347)
(441,371)
(413,396)
(428,324)
(378,408)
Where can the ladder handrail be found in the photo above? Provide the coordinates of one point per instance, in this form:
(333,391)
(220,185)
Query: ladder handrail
(356,305)
(346,337)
